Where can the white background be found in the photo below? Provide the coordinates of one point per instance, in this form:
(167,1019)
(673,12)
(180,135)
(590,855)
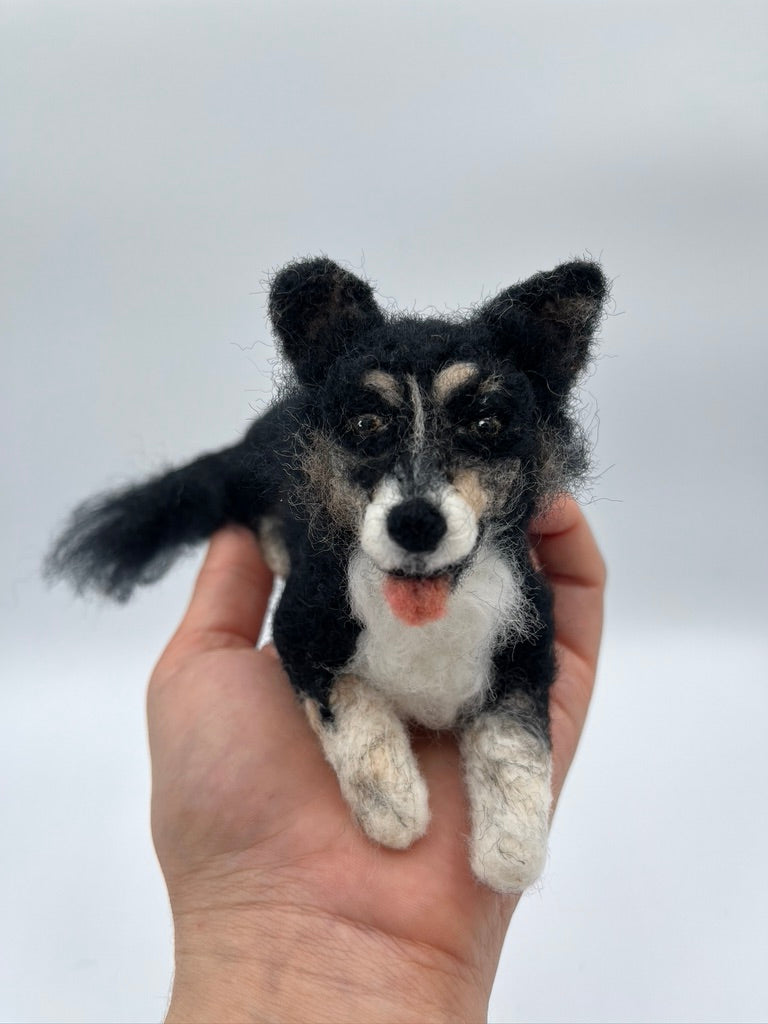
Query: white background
(159,160)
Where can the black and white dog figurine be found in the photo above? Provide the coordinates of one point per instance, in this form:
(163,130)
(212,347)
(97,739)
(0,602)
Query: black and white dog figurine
(392,485)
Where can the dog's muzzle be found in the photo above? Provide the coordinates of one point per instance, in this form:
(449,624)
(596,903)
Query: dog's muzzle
(419,544)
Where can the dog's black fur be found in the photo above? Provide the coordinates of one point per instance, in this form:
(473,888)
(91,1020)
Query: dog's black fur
(372,398)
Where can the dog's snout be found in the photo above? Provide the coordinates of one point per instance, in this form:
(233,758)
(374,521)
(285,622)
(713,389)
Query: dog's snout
(416,525)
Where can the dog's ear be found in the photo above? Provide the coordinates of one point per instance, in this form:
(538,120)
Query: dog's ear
(546,324)
(316,308)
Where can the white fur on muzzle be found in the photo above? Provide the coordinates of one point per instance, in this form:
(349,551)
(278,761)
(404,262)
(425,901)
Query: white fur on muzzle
(457,543)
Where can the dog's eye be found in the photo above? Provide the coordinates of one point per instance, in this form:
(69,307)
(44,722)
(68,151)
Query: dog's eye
(485,428)
(368,424)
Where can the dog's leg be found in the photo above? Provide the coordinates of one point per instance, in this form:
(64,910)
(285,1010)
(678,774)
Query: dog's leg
(508,771)
(368,747)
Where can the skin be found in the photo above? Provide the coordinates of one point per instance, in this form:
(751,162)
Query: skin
(283,909)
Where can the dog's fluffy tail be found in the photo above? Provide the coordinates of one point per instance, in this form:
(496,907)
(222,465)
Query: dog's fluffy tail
(118,540)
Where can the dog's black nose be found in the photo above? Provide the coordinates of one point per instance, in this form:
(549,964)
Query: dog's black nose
(416,525)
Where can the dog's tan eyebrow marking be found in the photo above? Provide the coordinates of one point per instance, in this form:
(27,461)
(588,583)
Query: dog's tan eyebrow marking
(451,379)
(385,385)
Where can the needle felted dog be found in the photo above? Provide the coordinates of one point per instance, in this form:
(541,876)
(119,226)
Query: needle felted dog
(392,484)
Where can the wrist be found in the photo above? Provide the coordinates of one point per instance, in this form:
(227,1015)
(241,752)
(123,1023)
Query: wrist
(299,964)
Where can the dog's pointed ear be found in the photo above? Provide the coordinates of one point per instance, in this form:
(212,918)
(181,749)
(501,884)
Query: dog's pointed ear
(546,325)
(316,308)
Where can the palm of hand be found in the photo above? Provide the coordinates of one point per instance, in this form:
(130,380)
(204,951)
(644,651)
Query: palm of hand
(241,788)
(248,817)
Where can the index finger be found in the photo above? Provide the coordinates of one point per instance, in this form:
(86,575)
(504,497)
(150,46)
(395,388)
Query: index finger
(566,550)
(570,559)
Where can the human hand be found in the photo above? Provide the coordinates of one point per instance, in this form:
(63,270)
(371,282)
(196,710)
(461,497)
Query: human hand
(283,909)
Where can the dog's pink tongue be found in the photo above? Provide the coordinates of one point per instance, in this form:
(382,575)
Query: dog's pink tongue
(417,601)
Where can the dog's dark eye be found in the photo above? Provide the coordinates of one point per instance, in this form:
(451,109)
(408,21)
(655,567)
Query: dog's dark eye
(368,424)
(485,428)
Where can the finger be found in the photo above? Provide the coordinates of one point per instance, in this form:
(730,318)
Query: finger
(569,701)
(569,557)
(566,550)
(566,547)
(230,596)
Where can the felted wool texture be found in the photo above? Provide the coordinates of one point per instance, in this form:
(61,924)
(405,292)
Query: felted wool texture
(401,452)
(417,601)
(508,773)
(457,543)
(439,672)
(368,748)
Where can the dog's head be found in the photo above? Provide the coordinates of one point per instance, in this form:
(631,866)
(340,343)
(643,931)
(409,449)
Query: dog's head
(425,434)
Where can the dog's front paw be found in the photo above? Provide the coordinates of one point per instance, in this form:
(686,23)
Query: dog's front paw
(368,747)
(386,793)
(508,771)
(505,861)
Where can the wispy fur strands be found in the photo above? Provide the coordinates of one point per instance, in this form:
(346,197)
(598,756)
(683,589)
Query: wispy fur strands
(115,541)
(393,482)
(119,540)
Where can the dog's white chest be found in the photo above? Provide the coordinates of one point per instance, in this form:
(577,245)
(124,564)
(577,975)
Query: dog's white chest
(434,672)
